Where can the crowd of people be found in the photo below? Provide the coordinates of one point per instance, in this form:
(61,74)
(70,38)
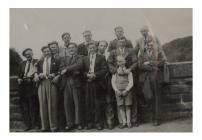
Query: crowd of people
(93,84)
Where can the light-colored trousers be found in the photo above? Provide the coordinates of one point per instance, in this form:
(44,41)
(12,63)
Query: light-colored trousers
(48,105)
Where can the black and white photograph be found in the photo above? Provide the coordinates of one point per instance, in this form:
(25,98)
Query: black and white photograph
(100,70)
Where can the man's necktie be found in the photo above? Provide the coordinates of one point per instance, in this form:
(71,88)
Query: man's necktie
(28,68)
(122,52)
(47,67)
(145,44)
(91,63)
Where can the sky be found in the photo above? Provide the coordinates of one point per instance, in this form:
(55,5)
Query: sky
(34,28)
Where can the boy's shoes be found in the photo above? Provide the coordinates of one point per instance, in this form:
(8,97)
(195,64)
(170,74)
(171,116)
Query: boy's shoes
(121,126)
(129,125)
(79,127)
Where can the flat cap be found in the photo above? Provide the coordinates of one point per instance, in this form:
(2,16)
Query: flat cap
(27,49)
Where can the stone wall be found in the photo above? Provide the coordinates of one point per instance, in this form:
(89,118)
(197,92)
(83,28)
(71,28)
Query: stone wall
(176,96)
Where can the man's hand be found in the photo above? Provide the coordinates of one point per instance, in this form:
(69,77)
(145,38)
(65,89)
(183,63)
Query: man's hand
(19,81)
(36,78)
(147,63)
(118,92)
(63,71)
(127,71)
(42,76)
(91,76)
(56,79)
(50,76)
(124,93)
(119,70)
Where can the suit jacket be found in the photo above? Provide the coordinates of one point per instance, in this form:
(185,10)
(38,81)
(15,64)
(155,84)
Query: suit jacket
(22,68)
(113,44)
(54,67)
(74,71)
(83,48)
(157,61)
(131,59)
(100,68)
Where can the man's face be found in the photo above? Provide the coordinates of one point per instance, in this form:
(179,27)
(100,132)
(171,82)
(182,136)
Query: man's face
(119,32)
(54,48)
(46,52)
(150,46)
(87,36)
(121,62)
(66,38)
(102,47)
(121,44)
(29,54)
(144,33)
(92,49)
(72,49)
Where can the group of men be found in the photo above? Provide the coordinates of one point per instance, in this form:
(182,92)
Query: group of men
(75,82)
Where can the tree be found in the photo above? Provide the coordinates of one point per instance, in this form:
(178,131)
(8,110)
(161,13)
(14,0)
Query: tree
(15,61)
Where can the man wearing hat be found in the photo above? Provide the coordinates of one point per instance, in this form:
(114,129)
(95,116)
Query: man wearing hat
(27,89)
(120,35)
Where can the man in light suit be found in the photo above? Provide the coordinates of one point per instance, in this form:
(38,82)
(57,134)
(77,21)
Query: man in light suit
(47,69)
(27,90)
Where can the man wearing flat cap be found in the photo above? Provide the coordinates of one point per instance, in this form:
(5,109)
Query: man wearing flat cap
(27,90)
(54,48)
(119,32)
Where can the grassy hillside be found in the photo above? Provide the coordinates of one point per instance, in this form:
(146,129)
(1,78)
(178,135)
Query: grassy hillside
(179,49)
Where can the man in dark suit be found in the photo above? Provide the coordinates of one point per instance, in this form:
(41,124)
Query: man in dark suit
(27,90)
(83,47)
(110,100)
(71,67)
(95,69)
(47,69)
(131,65)
(151,62)
(120,35)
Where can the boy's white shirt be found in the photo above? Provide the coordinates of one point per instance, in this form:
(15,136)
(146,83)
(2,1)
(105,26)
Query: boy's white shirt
(130,84)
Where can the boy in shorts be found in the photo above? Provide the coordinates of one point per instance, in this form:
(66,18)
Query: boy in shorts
(122,83)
